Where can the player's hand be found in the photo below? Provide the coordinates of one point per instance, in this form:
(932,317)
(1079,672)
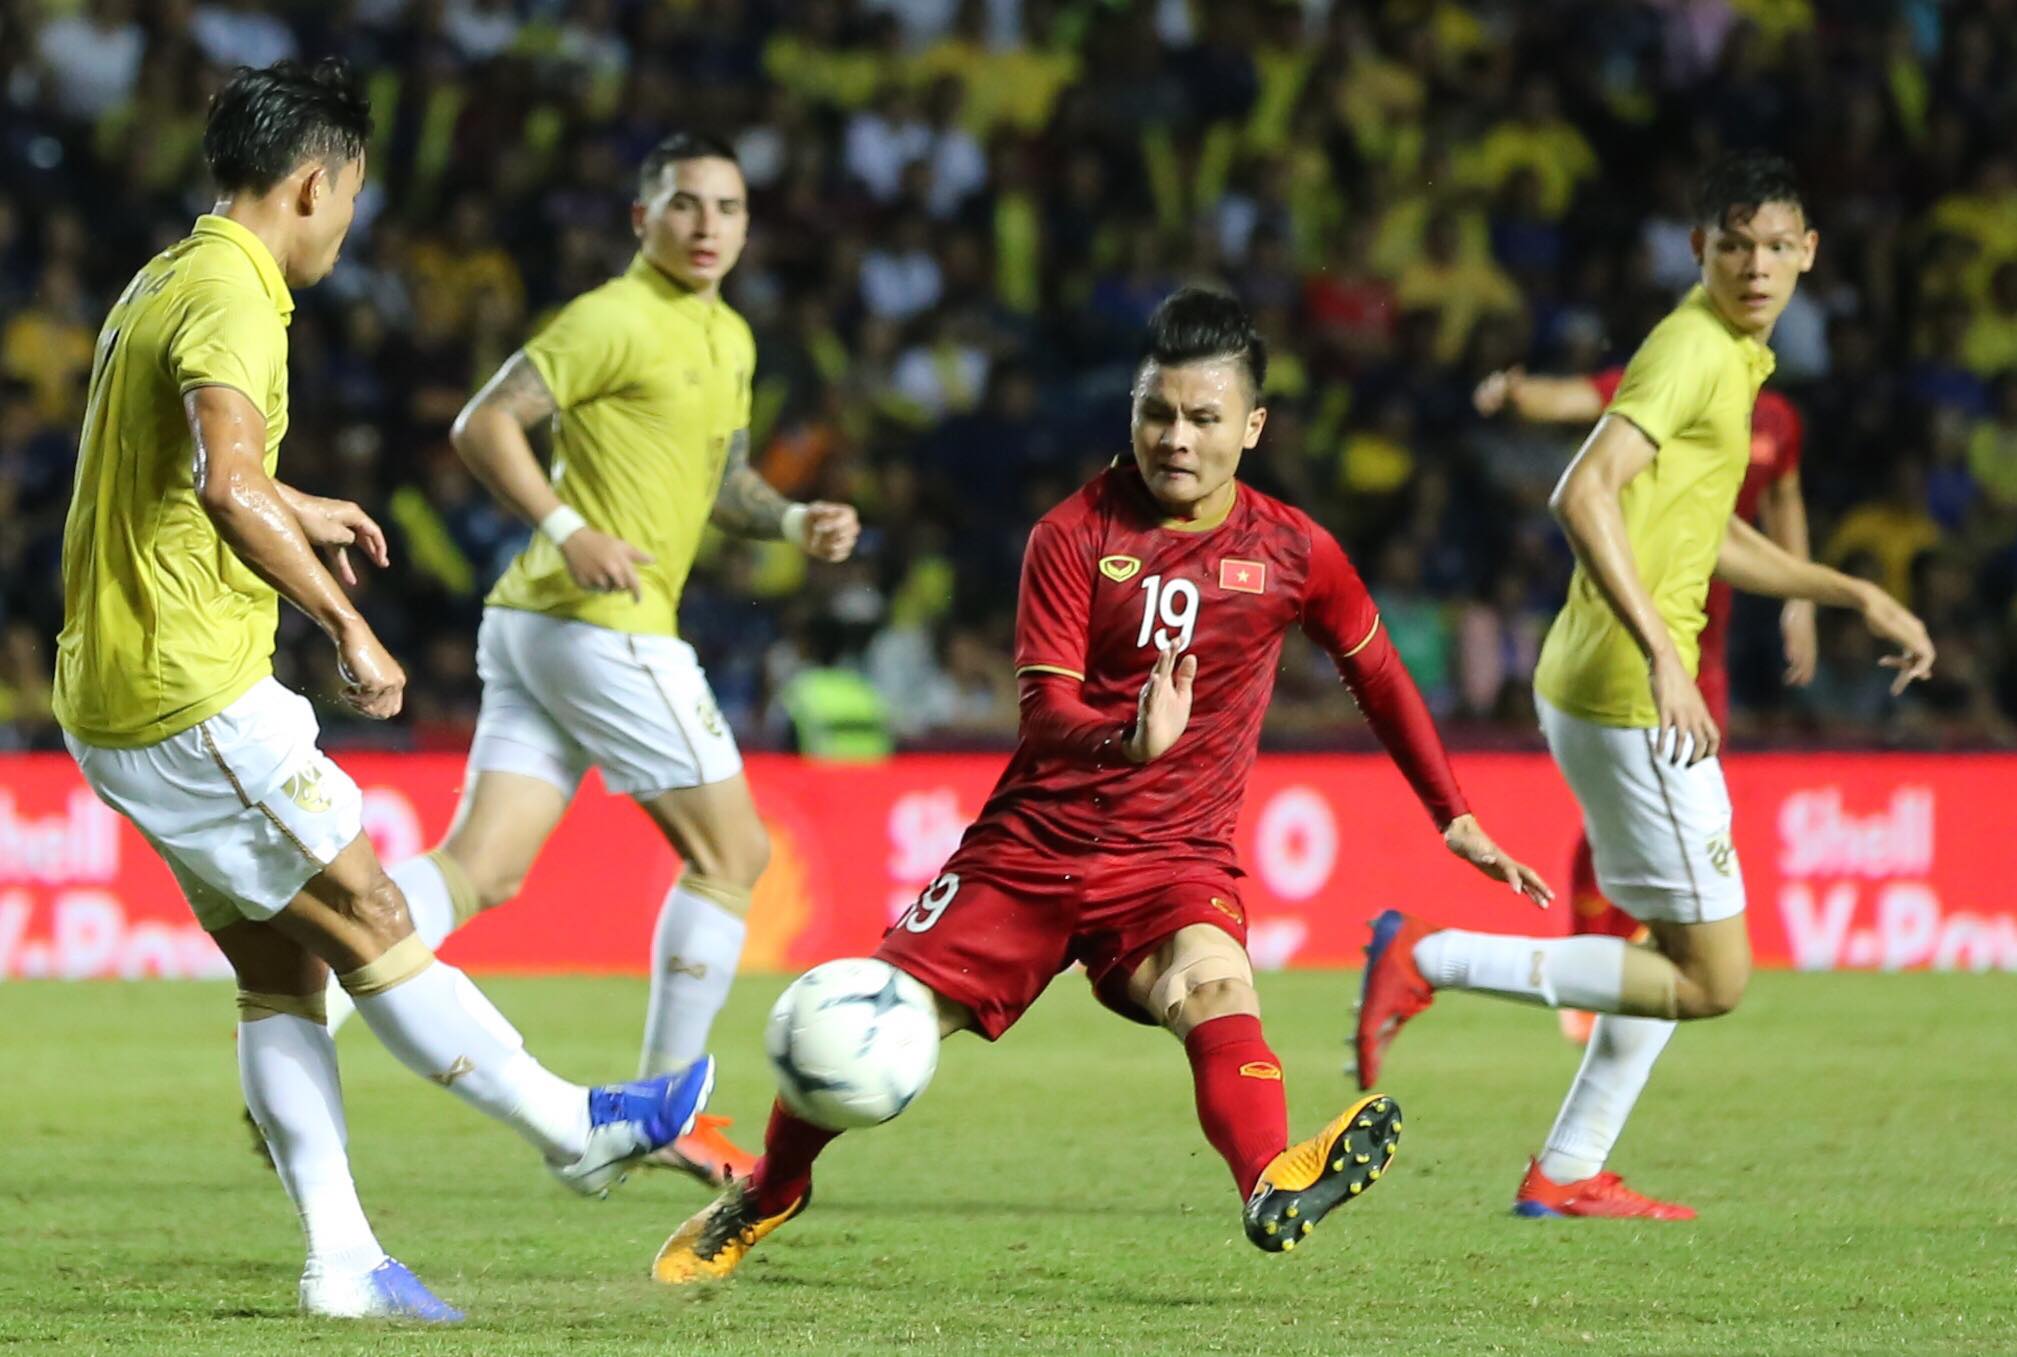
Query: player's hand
(373,682)
(829,531)
(1468,840)
(335,525)
(1493,393)
(1890,620)
(1164,708)
(1796,629)
(605,564)
(1686,735)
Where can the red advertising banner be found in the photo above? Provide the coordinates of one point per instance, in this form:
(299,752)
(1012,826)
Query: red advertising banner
(1869,860)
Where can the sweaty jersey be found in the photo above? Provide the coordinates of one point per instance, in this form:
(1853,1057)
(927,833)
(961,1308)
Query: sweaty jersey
(163,625)
(1776,437)
(1690,389)
(1107,580)
(649,382)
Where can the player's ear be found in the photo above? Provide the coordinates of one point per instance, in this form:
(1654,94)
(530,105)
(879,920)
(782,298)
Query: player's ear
(637,210)
(1698,241)
(1811,244)
(1256,419)
(313,187)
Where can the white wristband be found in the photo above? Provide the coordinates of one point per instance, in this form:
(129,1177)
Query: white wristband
(561,524)
(794,525)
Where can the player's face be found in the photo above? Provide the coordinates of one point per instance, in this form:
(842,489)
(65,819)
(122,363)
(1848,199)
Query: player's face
(696,221)
(1751,265)
(329,200)
(1191,423)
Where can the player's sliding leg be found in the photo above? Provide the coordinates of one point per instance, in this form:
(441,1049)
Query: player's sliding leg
(437,1024)
(697,945)
(714,1240)
(287,1066)
(1199,984)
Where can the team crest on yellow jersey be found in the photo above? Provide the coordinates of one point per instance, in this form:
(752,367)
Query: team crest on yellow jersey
(1120,569)
(304,789)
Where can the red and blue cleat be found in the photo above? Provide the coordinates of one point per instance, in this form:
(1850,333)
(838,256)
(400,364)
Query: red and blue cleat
(1391,990)
(1600,1195)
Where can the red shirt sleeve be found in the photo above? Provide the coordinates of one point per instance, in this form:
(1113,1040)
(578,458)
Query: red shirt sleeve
(1057,721)
(1607,383)
(1054,605)
(1339,615)
(1780,419)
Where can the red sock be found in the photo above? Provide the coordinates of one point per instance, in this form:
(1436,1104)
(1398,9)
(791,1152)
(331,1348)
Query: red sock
(1589,912)
(784,1174)
(1242,1103)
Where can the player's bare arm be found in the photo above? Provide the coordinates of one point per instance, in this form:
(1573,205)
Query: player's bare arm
(1783,514)
(1751,561)
(490,437)
(1586,502)
(1540,400)
(335,525)
(749,506)
(253,516)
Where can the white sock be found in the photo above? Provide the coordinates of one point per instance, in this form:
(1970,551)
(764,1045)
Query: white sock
(430,906)
(1615,1069)
(287,1065)
(441,1027)
(693,958)
(1581,972)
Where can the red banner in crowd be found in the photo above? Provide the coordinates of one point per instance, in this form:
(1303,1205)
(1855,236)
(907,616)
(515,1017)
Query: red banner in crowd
(1876,861)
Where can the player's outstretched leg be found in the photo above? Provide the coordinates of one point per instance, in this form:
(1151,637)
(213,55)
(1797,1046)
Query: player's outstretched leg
(1304,1183)
(715,1239)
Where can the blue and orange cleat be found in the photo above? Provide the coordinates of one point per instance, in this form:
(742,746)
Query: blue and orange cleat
(626,1122)
(1392,989)
(707,1153)
(1601,1195)
(388,1291)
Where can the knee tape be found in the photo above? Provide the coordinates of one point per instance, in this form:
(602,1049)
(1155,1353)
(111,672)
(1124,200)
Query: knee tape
(253,1005)
(734,899)
(1167,995)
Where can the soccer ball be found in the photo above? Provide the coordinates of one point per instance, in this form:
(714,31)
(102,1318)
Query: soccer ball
(852,1042)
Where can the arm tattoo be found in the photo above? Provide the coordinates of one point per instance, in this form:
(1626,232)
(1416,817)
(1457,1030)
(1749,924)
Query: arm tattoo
(746,505)
(519,391)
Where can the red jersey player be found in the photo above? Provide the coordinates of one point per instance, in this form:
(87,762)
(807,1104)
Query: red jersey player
(1771,495)
(1153,607)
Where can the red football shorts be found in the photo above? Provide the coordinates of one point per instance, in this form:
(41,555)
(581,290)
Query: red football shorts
(990,934)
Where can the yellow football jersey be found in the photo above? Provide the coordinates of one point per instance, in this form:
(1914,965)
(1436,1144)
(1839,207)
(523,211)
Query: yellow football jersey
(1690,388)
(649,381)
(163,625)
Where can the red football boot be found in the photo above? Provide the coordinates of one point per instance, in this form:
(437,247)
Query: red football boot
(1391,990)
(706,1153)
(1602,1195)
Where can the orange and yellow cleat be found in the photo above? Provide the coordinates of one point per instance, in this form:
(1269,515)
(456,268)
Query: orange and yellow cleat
(1602,1195)
(707,1154)
(715,1239)
(1305,1182)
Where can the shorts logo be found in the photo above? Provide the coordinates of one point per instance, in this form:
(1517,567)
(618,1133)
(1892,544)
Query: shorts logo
(1261,1069)
(1243,577)
(1231,911)
(1723,853)
(710,716)
(1120,569)
(304,789)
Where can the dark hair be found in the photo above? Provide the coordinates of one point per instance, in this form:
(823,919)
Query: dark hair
(1193,325)
(1739,183)
(265,122)
(682,146)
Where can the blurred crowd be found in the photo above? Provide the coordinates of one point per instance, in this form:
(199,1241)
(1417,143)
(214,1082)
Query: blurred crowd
(963,211)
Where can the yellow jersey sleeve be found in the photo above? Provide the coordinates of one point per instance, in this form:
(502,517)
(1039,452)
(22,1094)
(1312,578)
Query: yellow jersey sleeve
(227,337)
(1671,380)
(741,403)
(588,350)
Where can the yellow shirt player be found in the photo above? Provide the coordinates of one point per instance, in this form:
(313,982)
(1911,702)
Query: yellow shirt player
(1648,505)
(645,383)
(179,543)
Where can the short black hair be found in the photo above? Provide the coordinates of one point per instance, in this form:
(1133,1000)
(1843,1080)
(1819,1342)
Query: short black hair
(1195,325)
(1741,182)
(265,122)
(685,145)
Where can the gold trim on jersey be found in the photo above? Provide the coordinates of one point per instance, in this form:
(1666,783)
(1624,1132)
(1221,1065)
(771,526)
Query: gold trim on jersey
(1049,669)
(1205,524)
(1369,638)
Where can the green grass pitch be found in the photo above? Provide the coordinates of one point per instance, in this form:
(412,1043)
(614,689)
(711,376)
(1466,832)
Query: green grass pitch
(1847,1139)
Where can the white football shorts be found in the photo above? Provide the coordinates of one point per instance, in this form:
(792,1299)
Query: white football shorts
(559,695)
(243,807)
(1659,833)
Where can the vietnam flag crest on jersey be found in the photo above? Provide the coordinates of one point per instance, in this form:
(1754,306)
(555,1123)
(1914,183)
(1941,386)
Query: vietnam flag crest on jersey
(1243,577)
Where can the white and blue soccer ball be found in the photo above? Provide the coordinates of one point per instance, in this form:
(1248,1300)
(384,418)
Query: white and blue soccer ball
(853,1042)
